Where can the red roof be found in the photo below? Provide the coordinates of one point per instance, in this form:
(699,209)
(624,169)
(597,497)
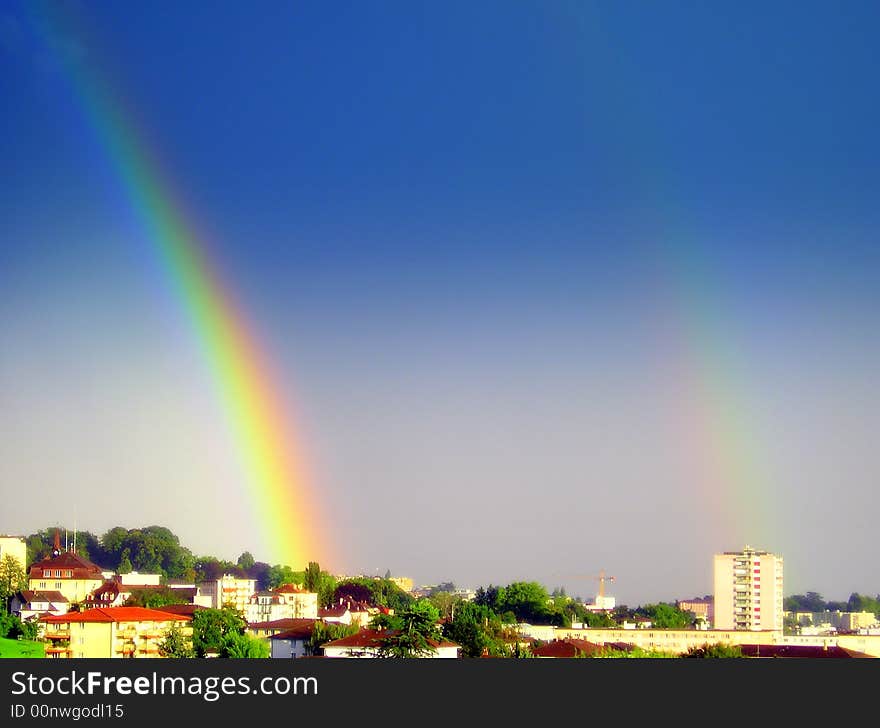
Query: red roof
(300,632)
(42,596)
(117,614)
(373,638)
(567,648)
(286,623)
(185,609)
(66,561)
(291,589)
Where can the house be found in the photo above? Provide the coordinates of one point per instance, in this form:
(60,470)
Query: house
(110,632)
(302,602)
(349,611)
(117,590)
(366,643)
(64,571)
(286,602)
(292,643)
(28,604)
(264,630)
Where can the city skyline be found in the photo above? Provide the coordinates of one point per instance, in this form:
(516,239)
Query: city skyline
(540,289)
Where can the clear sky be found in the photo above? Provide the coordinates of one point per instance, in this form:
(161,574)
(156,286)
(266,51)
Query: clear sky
(552,287)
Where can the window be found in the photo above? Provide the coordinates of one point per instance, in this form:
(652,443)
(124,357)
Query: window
(57,584)
(57,573)
(47,573)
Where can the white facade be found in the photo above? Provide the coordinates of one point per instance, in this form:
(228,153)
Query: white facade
(227,590)
(748,590)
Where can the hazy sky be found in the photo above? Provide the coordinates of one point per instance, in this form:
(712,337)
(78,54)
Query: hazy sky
(554,287)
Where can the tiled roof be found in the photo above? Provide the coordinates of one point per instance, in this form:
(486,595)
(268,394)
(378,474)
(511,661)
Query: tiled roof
(798,651)
(42,596)
(81,567)
(286,623)
(301,632)
(117,614)
(567,648)
(373,638)
(291,589)
(184,609)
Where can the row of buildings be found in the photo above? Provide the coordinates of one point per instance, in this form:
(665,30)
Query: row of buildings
(83,614)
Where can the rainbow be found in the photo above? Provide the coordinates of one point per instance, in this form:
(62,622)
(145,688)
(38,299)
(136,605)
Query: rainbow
(284,506)
(729,469)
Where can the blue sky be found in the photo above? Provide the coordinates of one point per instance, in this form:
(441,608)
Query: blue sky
(492,245)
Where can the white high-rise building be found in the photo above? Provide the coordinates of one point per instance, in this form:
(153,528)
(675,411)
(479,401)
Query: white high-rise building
(748,590)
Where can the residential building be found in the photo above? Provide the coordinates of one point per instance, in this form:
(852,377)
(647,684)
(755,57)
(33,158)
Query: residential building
(832,621)
(227,590)
(110,632)
(286,602)
(403,582)
(702,607)
(28,604)
(264,630)
(748,590)
(679,641)
(135,579)
(74,576)
(292,642)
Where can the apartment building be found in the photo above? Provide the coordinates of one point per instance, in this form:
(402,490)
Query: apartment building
(229,589)
(132,632)
(64,571)
(748,591)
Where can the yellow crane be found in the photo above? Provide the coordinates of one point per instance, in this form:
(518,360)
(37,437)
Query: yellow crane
(601,577)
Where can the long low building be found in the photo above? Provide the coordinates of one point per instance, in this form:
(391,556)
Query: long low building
(110,632)
(679,641)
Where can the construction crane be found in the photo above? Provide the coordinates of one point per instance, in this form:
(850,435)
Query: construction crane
(601,577)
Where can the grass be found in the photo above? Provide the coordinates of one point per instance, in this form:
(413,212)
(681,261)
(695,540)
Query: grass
(21,648)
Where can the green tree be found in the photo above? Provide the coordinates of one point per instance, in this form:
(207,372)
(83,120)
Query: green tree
(246,561)
(323,632)
(241,646)
(409,633)
(478,630)
(714,651)
(666,616)
(281,574)
(176,644)
(12,579)
(153,598)
(446,603)
(809,602)
(125,563)
(313,576)
(214,630)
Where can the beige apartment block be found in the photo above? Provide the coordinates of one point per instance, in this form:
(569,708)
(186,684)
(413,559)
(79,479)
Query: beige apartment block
(748,591)
(131,632)
(228,590)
